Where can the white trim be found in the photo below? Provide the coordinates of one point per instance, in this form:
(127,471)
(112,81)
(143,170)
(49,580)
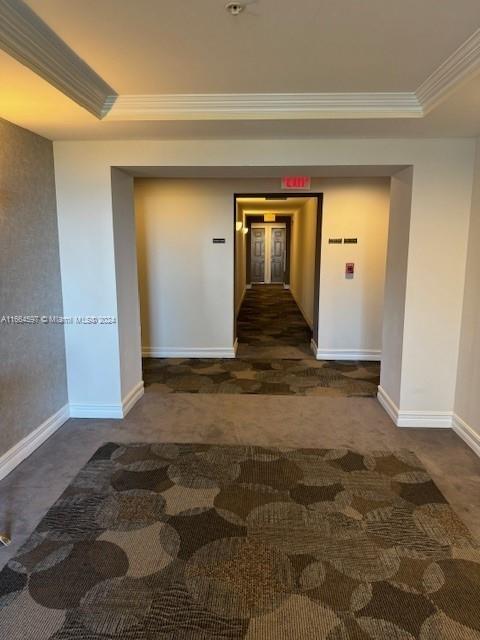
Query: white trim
(17,454)
(461,64)
(96,410)
(101,411)
(367,355)
(132,397)
(425,419)
(194,352)
(264,106)
(28,39)
(388,404)
(467,433)
(414,419)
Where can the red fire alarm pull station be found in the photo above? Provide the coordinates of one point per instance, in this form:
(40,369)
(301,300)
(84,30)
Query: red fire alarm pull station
(349,270)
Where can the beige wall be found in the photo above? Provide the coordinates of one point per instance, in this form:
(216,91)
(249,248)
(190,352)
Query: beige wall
(467,402)
(32,356)
(351,310)
(302,258)
(440,212)
(241,240)
(186,281)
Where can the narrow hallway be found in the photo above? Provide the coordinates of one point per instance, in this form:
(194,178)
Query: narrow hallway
(270,325)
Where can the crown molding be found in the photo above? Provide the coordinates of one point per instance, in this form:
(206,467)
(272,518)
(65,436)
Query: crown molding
(459,66)
(265,106)
(28,39)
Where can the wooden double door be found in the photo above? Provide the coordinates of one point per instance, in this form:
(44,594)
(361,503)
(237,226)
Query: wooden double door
(268,253)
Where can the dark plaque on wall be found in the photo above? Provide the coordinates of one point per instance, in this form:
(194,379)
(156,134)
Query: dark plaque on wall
(218,241)
(350,241)
(335,241)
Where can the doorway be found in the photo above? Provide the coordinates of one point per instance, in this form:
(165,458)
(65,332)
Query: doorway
(268,253)
(277,277)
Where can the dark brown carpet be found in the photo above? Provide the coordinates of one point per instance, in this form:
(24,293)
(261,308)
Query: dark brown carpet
(262,376)
(270,317)
(203,542)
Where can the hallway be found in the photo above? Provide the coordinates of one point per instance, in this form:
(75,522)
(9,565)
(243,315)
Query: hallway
(273,358)
(270,325)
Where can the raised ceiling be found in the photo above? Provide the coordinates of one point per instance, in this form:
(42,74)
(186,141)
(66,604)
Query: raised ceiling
(363,65)
(276,46)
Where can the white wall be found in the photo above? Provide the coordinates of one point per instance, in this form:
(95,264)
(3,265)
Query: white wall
(441,198)
(351,310)
(467,402)
(126,282)
(396,282)
(302,258)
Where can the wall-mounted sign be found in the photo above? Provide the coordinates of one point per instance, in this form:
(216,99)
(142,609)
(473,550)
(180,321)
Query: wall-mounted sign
(296,182)
(335,241)
(218,240)
(350,241)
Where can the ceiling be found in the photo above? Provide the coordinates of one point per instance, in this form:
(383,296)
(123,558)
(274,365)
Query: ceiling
(348,47)
(195,46)
(260,206)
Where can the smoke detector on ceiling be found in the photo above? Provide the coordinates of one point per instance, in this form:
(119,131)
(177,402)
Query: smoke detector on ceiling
(235,8)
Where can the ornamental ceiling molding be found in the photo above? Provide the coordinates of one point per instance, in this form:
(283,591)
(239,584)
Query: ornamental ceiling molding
(27,38)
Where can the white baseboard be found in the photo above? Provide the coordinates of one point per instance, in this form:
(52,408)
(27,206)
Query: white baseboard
(198,352)
(132,397)
(414,419)
(14,456)
(467,433)
(115,411)
(388,404)
(235,347)
(313,347)
(367,355)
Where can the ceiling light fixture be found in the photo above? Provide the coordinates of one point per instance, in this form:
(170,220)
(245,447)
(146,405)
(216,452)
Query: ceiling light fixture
(235,8)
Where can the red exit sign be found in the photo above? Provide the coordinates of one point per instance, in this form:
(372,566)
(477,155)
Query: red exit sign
(296,182)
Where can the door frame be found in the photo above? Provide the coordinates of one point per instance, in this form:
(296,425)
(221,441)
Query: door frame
(268,226)
(318,246)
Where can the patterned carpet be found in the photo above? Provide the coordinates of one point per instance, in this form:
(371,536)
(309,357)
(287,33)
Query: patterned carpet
(254,376)
(270,325)
(270,317)
(203,542)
